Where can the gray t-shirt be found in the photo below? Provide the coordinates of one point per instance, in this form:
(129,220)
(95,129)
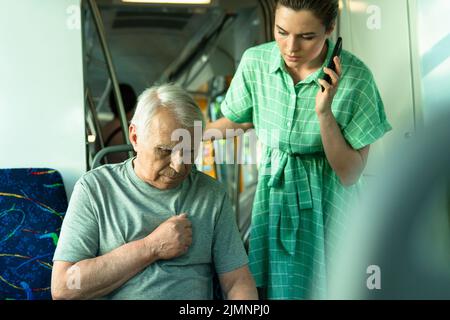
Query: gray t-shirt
(110,206)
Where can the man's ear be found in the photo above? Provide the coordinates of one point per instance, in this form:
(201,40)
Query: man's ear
(132,132)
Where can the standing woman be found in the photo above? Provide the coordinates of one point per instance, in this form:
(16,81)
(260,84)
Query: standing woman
(308,175)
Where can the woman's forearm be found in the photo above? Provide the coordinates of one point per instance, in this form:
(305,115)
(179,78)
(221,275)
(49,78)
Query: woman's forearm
(347,162)
(224,129)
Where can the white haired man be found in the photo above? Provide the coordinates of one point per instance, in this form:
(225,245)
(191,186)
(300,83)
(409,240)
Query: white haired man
(151,227)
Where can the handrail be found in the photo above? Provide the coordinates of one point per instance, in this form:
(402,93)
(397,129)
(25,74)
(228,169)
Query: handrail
(211,41)
(113,149)
(110,66)
(91,104)
(104,95)
(173,73)
(237,175)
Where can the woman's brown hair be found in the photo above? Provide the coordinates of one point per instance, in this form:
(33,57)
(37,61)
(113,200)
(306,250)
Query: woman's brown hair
(325,10)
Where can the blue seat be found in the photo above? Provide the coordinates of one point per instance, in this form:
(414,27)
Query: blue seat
(32,205)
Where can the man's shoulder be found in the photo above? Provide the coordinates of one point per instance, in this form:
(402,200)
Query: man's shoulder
(207,183)
(102,174)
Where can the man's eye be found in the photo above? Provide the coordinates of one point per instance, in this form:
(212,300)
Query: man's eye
(282,33)
(164,152)
(308,38)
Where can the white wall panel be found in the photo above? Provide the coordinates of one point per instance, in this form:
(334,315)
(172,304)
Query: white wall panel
(41,87)
(377,32)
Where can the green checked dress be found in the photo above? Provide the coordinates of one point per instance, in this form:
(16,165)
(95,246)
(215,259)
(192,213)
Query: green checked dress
(300,204)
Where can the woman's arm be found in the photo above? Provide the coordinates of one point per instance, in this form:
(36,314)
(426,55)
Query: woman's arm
(224,129)
(347,162)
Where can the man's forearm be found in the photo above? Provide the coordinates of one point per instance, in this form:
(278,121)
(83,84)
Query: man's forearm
(242,291)
(239,284)
(101,275)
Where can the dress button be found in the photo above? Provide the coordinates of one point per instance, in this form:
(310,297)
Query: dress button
(288,124)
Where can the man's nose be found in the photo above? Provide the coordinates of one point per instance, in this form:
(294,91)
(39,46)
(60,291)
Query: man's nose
(176,162)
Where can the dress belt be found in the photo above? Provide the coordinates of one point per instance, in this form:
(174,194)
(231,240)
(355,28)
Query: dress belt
(290,193)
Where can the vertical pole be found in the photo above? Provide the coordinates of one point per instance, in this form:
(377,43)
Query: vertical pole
(112,73)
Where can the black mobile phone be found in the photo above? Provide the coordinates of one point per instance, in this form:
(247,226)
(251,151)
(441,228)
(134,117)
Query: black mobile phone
(336,53)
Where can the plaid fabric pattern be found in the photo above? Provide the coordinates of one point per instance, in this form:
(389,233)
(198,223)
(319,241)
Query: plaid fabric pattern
(300,206)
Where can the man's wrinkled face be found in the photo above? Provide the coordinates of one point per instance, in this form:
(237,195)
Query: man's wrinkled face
(161,162)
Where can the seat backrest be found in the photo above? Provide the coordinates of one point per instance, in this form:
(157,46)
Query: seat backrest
(32,205)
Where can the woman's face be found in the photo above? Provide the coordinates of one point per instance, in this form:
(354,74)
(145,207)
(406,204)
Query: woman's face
(300,36)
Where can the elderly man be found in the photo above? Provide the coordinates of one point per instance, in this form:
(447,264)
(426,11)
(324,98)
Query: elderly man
(151,227)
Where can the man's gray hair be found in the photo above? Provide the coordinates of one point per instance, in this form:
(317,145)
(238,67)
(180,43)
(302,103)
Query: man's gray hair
(169,96)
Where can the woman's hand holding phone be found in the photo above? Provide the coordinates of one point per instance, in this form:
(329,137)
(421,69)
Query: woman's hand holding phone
(330,82)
